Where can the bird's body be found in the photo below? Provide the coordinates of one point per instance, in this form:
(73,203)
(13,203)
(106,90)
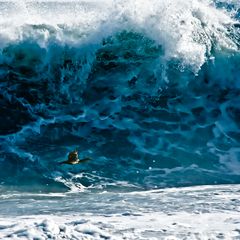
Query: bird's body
(73,159)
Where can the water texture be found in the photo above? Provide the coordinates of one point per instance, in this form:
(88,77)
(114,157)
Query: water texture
(150,90)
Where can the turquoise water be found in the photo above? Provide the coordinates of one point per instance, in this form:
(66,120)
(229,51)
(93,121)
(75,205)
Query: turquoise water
(150,90)
(150,94)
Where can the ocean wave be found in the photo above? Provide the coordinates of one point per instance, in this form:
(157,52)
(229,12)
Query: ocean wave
(151,94)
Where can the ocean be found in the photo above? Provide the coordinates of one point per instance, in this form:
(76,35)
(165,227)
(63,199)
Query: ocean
(149,90)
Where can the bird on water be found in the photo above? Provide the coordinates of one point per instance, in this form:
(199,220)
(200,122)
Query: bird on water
(73,159)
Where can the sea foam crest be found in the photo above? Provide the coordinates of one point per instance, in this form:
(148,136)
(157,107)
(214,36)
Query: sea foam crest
(188,31)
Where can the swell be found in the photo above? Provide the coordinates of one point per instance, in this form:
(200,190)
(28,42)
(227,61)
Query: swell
(150,111)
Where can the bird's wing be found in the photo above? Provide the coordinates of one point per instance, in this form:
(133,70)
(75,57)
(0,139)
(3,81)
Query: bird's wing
(64,162)
(76,162)
(84,160)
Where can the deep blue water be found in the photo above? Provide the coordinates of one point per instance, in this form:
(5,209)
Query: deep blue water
(152,95)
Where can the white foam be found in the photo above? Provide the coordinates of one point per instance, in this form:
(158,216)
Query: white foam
(203,212)
(187,30)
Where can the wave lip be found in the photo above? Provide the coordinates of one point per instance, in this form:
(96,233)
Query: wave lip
(188,31)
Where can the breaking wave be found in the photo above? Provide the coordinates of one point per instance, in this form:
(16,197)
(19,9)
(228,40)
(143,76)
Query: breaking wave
(148,89)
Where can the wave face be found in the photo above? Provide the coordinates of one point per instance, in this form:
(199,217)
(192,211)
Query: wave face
(149,89)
